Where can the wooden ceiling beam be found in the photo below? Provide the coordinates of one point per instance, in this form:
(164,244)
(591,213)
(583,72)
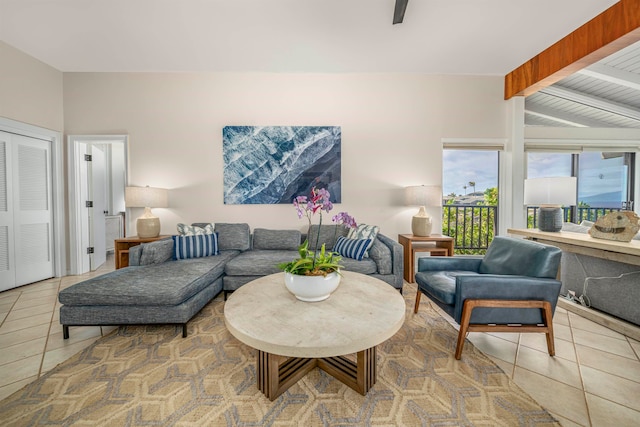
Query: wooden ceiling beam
(612,30)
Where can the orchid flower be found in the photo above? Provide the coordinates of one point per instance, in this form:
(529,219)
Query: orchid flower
(346,219)
(318,201)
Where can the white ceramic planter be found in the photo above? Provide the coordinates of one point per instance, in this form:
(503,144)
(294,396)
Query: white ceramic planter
(311,288)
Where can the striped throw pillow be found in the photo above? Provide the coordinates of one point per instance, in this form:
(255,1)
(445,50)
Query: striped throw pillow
(364,231)
(351,248)
(185,247)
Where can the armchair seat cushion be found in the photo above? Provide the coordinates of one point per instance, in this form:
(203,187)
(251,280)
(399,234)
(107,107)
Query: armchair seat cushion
(440,285)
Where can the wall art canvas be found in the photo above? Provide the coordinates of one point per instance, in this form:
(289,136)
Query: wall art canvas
(274,164)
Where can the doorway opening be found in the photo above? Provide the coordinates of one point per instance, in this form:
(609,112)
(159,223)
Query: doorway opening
(97,178)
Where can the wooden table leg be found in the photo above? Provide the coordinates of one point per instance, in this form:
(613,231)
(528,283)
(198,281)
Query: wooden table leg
(360,376)
(408,258)
(277,373)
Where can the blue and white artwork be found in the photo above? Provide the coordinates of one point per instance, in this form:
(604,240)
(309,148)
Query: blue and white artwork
(274,164)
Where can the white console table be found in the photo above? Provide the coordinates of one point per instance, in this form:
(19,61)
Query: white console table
(584,244)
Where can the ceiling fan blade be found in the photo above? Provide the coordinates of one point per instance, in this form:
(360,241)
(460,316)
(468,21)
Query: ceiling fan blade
(398,13)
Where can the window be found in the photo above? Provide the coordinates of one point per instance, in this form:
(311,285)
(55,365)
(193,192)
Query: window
(605,180)
(470,192)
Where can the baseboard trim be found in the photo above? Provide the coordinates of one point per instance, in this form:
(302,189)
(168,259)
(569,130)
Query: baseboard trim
(613,323)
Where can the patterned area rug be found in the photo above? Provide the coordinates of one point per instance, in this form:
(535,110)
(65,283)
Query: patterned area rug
(150,375)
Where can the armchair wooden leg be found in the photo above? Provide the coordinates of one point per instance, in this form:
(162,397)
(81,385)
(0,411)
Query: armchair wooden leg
(467,308)
(418,295)
(548,320)
(470,304)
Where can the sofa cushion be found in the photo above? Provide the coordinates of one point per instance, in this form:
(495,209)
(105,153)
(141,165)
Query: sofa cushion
(156,252)
(381,254)
(193,230)
(366,266)
(195,246)
(233,237)
(258,262)
(364,231)
(276,239)
(328,235)
(351,248)
(166,284)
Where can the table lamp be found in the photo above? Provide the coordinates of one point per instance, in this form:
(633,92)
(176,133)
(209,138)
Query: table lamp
(422,195)
(147,225)
(550,194)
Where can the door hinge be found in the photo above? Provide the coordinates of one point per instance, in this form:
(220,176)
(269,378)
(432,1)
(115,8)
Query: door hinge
(90,250)
(87,157)
(88,204)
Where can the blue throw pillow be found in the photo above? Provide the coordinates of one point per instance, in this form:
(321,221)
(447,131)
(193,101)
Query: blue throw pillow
(351,248)
(185,247)
(364,231)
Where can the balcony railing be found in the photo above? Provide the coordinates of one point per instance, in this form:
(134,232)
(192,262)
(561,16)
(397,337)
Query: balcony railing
(471,226)
(582,214)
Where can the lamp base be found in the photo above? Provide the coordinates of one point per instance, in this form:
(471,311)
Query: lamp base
(148,225)
(421,226)
(550,219)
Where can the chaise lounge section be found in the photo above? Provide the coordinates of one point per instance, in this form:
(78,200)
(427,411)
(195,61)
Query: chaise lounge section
(160,291)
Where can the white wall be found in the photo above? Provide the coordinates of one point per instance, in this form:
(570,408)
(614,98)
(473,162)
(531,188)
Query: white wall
(30,90)
(392,126)
(31,104)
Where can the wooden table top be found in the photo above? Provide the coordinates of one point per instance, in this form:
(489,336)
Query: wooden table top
(362,313)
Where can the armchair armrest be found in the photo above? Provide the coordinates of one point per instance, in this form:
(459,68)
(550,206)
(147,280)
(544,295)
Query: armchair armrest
(461,263)
(493,286)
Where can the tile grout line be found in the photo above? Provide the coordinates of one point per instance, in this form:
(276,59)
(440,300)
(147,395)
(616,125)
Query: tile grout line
(636,352)
(584,391)
(10,309)
(46,342)
(515,359)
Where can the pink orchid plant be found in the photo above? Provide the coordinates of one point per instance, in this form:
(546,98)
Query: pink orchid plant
(322,262)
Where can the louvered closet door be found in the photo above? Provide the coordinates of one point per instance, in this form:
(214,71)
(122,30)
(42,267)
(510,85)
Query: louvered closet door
(7,264)
(32,200)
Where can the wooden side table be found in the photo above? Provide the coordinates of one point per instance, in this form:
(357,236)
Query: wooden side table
(443,246)
(121,248)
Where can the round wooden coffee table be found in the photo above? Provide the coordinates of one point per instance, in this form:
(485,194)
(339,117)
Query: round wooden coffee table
(293,337)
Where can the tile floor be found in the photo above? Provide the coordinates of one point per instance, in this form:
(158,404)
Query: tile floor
(594,380)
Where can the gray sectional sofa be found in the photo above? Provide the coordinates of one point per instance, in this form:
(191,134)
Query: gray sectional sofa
(157,289)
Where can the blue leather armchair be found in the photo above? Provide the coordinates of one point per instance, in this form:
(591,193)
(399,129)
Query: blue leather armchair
(513,288)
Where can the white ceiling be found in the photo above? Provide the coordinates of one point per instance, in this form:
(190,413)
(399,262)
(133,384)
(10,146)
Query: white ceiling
(438,36)
(605,94)
(490,37)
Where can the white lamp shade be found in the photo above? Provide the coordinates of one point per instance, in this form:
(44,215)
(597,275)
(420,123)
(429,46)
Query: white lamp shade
(145,197)
(557,191)
(423,195)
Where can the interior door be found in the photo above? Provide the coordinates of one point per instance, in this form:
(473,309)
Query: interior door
(7,257)
(98,212)
(32,207)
